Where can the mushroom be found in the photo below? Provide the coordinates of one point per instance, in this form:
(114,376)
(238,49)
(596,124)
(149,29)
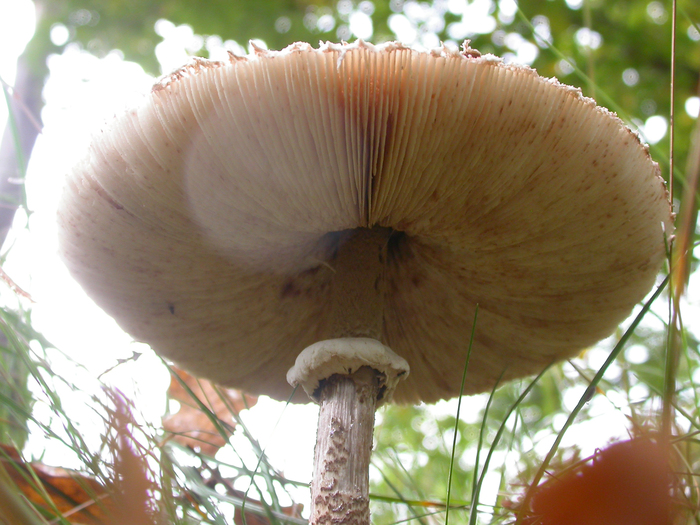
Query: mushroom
(307,210)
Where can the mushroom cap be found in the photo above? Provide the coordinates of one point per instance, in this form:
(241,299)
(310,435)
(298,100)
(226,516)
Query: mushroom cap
(206,220)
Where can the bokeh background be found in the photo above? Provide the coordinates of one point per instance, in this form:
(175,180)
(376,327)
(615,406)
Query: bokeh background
(66,66)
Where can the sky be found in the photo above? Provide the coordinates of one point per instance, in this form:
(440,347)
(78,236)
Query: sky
(82,92)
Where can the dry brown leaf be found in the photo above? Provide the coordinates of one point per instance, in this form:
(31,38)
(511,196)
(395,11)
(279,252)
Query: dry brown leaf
(190,426)
(79,498)
(133,489)
(627,483)
(687,216)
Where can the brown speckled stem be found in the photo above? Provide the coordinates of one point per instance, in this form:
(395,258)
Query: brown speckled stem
(340,486)
(357,305)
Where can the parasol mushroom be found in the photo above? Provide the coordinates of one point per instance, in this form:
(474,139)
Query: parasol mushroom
(353,200)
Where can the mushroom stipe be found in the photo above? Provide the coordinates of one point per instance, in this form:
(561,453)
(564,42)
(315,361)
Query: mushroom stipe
(365,198)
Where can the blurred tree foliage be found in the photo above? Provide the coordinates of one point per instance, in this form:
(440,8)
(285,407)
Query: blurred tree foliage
(623,47)
(128,25)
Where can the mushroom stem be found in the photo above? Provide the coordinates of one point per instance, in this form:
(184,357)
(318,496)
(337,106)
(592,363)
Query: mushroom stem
(340,486)
(357,307)
(349,376)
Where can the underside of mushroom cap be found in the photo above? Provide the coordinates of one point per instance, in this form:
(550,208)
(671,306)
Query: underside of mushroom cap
(206,220)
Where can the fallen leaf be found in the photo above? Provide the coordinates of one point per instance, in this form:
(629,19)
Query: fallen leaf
(628,483)
(77,497)
(191,426)
(133,489)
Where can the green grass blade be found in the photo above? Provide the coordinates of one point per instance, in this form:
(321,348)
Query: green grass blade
(500,431)
(475,483)
(459,406)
